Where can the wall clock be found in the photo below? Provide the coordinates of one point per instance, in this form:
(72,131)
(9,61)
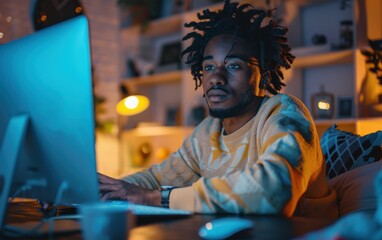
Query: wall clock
(49,12)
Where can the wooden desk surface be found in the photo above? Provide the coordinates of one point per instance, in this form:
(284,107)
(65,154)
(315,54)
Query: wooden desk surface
(266,227)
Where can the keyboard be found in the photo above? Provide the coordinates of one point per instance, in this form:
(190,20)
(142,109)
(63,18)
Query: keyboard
(144,210)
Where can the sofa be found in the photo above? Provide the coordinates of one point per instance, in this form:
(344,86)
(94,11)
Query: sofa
(354,171)
(352,164)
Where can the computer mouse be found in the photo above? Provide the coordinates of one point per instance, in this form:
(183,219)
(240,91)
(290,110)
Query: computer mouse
(222,228)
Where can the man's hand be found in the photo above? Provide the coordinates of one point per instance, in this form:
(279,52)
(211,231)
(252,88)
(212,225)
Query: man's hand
(117,189)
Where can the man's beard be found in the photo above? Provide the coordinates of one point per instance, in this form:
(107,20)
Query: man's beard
(237,110)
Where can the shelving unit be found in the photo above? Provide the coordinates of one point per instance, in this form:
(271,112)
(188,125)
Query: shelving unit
(341,72)
(167,90)
(324,59)
(156,79)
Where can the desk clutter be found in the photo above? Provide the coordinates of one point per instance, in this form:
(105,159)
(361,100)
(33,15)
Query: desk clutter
(102,220)
(29,213)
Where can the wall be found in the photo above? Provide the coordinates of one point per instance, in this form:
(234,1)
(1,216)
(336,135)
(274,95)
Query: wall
(15,20)
(104,30)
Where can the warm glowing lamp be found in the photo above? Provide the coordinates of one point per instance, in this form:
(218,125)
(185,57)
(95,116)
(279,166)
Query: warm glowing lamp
(322,104)
(132,105)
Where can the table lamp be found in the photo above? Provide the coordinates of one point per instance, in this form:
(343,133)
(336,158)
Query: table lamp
(131,104)
(322,104)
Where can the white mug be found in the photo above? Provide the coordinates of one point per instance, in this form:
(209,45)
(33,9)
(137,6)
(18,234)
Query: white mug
(100,221)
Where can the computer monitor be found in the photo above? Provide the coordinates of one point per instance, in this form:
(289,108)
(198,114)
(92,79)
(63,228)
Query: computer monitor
(47,139)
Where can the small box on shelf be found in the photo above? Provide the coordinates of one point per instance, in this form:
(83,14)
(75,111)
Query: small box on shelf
(345,107)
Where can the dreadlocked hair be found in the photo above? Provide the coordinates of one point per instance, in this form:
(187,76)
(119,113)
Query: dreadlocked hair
(269,42)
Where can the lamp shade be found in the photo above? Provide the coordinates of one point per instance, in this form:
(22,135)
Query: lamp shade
(132,105)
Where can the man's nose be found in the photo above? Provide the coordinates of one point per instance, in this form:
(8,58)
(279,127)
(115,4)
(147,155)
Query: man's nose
(219,77)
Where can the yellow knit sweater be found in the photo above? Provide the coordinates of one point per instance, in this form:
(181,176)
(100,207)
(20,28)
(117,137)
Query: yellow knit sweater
(271,165)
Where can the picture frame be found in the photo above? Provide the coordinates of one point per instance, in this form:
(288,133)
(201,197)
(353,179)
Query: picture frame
(172,116)
(179,6)
(345,105)
(167,53)
(171,7)
(170,53)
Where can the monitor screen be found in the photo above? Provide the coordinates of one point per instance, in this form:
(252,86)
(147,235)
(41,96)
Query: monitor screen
(47,139)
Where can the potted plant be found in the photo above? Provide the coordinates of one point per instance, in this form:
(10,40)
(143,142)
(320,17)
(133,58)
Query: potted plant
(374,59)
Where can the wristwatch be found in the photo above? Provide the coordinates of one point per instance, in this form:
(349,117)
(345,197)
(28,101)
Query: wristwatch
(165,194)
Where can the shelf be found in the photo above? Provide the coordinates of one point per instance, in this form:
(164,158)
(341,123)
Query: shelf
(156,79)
(168,25)
(368,125)
(360,126)
(152,131)
(347,120)
(312,2)
(322,59)
(161,27)
(335,121)
(314,65)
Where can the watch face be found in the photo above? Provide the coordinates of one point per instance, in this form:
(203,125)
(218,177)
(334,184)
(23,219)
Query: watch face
(49,12)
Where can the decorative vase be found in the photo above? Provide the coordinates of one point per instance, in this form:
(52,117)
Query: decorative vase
(369,93)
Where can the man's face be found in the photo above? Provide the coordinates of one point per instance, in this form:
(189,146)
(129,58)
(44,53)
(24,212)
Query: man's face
(229,82)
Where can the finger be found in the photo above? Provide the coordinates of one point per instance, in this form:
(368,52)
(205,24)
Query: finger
(105,179)
(113,196)
(104,187)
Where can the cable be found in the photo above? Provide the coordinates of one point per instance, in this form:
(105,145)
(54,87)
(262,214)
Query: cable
(13,231)
(63,186)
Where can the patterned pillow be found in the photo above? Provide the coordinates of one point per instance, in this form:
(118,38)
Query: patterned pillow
(344,151)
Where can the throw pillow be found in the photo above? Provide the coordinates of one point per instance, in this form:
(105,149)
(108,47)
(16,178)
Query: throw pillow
(344,151)
(356,189)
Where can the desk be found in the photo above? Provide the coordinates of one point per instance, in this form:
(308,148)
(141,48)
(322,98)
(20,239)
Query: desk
(266,227)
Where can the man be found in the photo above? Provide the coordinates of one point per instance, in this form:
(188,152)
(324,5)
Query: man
(255,153)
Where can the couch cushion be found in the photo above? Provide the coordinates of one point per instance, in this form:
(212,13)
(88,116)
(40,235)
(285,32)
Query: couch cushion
(355,189)
(344,151)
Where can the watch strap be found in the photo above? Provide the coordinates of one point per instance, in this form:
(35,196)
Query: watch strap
(165,195)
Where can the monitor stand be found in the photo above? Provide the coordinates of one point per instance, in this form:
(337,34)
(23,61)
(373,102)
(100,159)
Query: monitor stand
(9,152)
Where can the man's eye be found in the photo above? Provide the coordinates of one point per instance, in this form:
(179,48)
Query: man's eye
(234,66)
(208,68)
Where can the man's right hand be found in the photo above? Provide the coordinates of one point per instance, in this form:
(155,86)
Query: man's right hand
(117,189)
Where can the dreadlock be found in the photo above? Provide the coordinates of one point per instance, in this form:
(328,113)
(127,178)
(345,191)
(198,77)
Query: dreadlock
(269,42)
